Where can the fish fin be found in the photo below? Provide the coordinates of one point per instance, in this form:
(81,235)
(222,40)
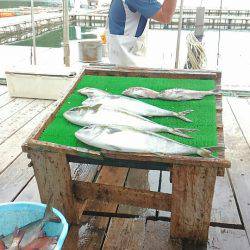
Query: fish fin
(113,130)
(96,107)
(182,115)
(48,211)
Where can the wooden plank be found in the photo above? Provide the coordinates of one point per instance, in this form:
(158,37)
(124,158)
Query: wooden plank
(13,107)
(238,151)
(3,89)
(224,209)
(125,234)
(30,192)
(11,148)
(193,190)
(93,231)
(15,178)
(141,179)
(5,99)
(146,72)
(51,168)
(121,195)
(157,236)
(224,238)
(18,120)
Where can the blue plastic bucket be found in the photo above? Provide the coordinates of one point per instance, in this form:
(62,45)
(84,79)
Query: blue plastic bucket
(20,214)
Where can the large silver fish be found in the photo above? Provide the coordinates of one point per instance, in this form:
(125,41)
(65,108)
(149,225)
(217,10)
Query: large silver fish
(129,104)
(31,231)
(103,115)
(125,139)
(168,94)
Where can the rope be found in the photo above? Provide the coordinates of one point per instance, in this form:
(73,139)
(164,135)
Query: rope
(196,57)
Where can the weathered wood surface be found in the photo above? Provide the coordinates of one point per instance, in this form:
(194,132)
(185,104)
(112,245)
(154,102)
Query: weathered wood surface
(121,195)
(5,99)
(145,180)
(11,148)
(93,230)
(19,119)
(30,192)
(3,89)
(13,107)
(131,234)
(15,178)
(237,131)
(53,177)
(192,195)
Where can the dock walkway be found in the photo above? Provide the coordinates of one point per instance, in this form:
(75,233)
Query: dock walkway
(125,227)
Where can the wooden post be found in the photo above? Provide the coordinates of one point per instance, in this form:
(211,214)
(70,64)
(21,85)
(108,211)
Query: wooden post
(52,172)
(193,189)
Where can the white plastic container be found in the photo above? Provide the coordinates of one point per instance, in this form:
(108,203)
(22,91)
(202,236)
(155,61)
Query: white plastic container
(39,82)
(90,50)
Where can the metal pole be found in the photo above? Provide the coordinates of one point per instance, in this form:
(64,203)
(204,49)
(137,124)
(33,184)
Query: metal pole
(33,31)
(179,36)
(66,57)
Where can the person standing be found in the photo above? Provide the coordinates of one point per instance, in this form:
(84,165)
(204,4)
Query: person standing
(127,26)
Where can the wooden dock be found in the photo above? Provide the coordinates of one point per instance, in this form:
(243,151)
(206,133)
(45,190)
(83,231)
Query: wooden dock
(126,227)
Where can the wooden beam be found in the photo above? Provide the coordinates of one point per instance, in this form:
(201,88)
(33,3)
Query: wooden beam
(52,172)
(121,195)
(193,190)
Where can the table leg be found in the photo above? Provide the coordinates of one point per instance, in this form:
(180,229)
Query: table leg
(193,189)
(52,172)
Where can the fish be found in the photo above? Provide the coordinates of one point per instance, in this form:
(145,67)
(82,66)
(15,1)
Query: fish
(17,237)
(131,140)
(92,92)
(31,231)
(103,115)
(2,245)
(168,94)
(134,106)
(140,92)
(42,243)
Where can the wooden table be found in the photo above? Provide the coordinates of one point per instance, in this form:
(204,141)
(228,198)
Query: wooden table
(193,178)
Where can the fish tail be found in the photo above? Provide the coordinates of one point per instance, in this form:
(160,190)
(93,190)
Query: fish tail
(216,92)
(180,132)
(182,115)
(207,152)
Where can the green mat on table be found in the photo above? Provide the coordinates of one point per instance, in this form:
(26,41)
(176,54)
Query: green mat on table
(60,131)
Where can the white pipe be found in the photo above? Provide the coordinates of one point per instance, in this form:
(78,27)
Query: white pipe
(66,57)
(33,31)
(179,36)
